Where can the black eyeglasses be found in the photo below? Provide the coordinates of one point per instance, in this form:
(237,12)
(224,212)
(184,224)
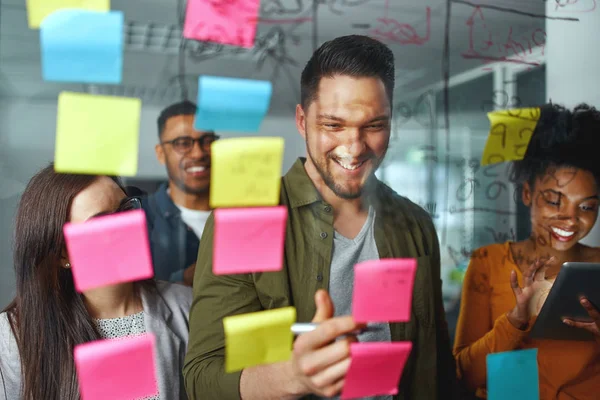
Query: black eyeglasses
(127,204)
(185,144)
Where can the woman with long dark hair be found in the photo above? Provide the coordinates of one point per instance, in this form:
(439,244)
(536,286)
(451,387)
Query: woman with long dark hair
(48,318)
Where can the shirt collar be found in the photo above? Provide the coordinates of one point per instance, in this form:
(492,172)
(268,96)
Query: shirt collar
(298,185)
(165,203)
(302,190)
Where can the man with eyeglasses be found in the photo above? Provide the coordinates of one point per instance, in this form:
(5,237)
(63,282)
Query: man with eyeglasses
(177,211)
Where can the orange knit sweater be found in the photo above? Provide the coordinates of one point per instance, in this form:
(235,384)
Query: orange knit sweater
(567,369)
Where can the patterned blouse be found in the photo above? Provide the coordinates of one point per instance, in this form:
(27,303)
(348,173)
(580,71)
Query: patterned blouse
(130,325)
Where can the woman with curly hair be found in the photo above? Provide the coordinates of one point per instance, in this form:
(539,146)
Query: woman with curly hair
(504,292)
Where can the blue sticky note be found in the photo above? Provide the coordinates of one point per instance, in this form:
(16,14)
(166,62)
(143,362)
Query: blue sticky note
(82,46)
(513,375)
(231,104)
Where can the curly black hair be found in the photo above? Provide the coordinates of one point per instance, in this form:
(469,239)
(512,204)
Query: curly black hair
(562,138)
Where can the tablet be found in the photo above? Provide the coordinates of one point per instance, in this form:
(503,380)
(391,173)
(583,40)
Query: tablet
(575,279)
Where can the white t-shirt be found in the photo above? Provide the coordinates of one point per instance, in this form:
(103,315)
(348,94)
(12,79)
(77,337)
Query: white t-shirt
(195,219)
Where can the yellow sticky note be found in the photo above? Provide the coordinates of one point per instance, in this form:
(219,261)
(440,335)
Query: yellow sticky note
(37,10)
(97,134)
(263,337)
(246,172)
(509,135)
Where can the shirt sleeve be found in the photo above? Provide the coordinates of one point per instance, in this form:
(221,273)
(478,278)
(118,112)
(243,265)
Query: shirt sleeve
(215,297)
(476,334)
(10,362)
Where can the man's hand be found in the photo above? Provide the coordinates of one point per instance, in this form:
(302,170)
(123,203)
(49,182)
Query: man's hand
(593,312)
(188,275)
(319,361)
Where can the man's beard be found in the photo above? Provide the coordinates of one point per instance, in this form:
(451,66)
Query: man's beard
(185,188)
(339,190)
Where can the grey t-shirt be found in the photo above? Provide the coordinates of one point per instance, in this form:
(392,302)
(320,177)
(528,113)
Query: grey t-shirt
(347,253)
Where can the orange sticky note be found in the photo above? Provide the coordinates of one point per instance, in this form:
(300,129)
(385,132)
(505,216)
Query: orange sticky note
(117,369)
(375,369)
(222,21)
(249,239)
(509,136)
(383,290)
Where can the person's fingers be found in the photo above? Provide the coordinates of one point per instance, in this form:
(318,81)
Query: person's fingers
(529,273)
(320,359)
(325,333)
(333,390)
(514,283)
(593,312)
(324,305)
(330,376)
(588,326)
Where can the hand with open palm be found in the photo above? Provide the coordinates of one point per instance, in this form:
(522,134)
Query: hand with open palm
(534,279)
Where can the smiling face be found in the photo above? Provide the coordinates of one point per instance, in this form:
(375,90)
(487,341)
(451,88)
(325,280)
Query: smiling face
(347,131)
(189,170)
(564,206)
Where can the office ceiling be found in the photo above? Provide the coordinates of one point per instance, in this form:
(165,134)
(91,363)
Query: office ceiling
(155,72)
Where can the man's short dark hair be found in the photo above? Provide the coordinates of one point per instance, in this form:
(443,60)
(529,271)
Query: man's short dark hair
(182,108)
(353,55)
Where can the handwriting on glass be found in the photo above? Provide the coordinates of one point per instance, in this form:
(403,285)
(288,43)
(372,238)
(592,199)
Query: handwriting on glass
(401,33)
(422,111)
(492,191)
(575,6)
(508,47)
(394,277)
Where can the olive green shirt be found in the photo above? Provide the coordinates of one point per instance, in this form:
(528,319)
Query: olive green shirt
(402,230)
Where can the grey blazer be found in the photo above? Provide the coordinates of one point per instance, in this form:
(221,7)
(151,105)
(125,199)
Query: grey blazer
(166,315)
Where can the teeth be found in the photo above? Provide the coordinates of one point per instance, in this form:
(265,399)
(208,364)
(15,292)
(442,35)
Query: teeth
(349,166)
(560,232)
(195,169)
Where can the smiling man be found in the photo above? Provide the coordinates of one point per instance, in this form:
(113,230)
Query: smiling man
(177,212)
(339,214)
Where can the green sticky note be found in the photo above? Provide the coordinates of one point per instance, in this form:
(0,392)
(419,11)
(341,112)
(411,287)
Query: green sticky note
(97,134)
(263,337)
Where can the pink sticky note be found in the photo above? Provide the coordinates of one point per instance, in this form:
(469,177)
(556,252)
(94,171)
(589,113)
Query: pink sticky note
(383,290)
(223,21)
(117,369)
(248,239)
(109,249)
(375,369)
